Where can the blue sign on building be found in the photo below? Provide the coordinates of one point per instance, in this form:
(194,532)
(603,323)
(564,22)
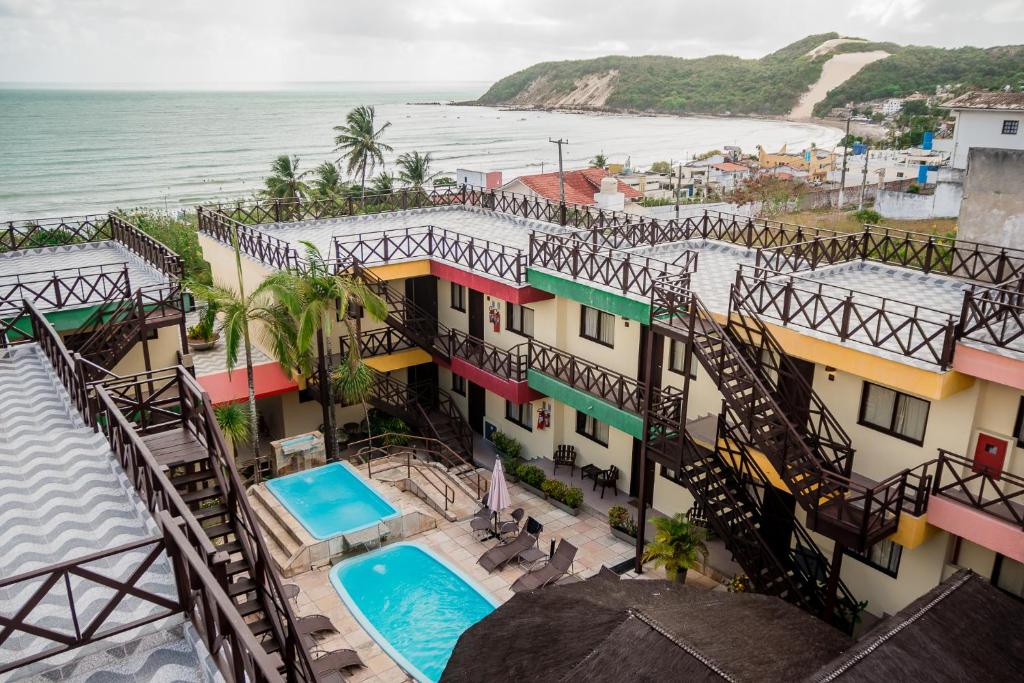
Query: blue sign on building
(926,142)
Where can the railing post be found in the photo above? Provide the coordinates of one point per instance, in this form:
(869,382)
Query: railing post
(847,311)
(787,300)
(928,252)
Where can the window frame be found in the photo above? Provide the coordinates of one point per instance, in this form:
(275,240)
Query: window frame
(461,289)
(884,568)
(519,411)
(1018,425)
(891,430)
(581,428)
(600,316)
(509,318)
(693,366)
(457,381)
(1009,124)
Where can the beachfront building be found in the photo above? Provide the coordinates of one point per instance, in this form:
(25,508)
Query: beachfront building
(986,119)
(817,162)
(580,186)
(842,410)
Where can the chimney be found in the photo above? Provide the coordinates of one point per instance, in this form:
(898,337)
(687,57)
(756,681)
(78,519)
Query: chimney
(609,198)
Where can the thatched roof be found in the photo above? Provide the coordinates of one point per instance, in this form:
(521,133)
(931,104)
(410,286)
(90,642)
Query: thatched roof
(965,629)
(607,630)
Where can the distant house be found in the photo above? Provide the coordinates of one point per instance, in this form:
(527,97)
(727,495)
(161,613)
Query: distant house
(892,106)
(728,174)
(490,180)
(581,187)
(816,162)
(986,119)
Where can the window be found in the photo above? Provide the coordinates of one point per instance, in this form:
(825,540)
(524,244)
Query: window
(597,326)
(591,428)
(883,556)
(1018,428)
(459,384)
(676,358)
(520,319)
(458,297)
(520,413)
(1010,127)
(894,413)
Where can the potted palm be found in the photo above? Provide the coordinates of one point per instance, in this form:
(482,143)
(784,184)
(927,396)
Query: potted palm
(202,336)
(678,546)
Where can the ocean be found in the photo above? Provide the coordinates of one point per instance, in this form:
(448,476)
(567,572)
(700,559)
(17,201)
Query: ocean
(66,151)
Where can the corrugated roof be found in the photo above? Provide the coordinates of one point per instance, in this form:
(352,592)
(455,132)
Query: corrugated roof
(580,185)
(729,167)
(988,100)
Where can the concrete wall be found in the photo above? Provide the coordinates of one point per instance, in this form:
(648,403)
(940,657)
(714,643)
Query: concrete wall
(993,207)
(943,203)
(983,129)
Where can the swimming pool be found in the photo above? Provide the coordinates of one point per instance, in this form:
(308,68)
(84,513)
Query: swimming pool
(331,500)
(413,603)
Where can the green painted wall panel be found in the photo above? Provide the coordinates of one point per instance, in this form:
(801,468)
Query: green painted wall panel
(585,403)
(609,302)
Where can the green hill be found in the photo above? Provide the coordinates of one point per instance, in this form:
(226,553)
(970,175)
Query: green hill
(771,85)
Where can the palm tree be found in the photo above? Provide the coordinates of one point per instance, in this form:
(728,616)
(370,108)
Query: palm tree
(678,544)
(383,183)
(359,141)
(599,161)
(316,299)
(233,420)
(327,180)
(286,182)
(415,169)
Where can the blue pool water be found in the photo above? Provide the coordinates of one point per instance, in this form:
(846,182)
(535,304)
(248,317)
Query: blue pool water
(331,500)
(412,603)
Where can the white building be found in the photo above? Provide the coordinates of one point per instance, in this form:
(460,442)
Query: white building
(987,119)
(892,106)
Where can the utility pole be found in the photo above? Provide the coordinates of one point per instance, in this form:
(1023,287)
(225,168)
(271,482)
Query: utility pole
(679,182)
(561,171)
(864,178)
(842,175)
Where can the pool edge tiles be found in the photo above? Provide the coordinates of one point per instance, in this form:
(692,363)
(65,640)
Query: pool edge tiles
(353,606)
(286,501)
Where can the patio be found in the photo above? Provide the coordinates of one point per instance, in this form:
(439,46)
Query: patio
(455,542)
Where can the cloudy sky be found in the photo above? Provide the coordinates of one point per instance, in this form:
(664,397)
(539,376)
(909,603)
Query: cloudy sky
(258,41)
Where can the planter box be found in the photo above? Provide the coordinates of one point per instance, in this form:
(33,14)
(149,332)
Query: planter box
(623,536)
(537,492)
(563,507)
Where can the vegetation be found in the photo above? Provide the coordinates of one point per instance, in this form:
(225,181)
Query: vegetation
(599,161)
(203,330)
(868,216)
(395,429)
(233,420)
(359,141)
(506,446)
(531,475)
(911,69)
(678,545)
(769,193)
(327,182)
(619,518)
(178,234)
(285,182)
(572,496)
(661,167)
(415,169)
(740,583)
(444,181)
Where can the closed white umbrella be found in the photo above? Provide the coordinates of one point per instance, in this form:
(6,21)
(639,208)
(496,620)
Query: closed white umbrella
(497,497)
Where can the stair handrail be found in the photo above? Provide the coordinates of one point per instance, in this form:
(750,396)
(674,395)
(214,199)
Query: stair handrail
(434,447)
(428,472)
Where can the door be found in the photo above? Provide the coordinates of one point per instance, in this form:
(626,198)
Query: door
(796,395)
(477,398)
(423,383)
(777,523)
(476,314)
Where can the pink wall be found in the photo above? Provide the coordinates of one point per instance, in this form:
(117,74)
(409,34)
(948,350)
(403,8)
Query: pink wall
(977,526)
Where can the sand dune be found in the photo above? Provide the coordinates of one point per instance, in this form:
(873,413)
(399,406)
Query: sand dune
(833,74)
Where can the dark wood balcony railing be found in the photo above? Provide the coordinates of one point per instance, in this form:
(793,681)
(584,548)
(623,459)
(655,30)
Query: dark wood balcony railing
(1000,494)
(907,329)
(510,364)
(55,289)
(252,242)
(47,232)
(262,211)
(428,241)
(621,391)
(378,343)
(993,315)
(150,250)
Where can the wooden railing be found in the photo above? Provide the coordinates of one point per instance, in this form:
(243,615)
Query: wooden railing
(907,329)
(993,315)
(47,232)
(253,212)
(252,242)
(378,343)
(510,364)
(998,493)
(619,390)
(810,255)
(428,241)
(149,249)
(75,286)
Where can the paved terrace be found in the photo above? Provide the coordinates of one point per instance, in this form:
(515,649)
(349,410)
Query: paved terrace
(80,266)
(717,263)
(64,496)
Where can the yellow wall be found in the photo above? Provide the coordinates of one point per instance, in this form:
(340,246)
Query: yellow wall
(163,352)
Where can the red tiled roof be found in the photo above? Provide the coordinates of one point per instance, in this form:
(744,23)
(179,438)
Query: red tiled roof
(580,185)
(730,167)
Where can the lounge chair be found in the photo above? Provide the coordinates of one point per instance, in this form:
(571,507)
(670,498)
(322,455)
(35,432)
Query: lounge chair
(565,454)
(495,557)
(559,565)
(481,522)
(314,624)
(336,661)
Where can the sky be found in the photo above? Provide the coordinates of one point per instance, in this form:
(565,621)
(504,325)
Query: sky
(166,42)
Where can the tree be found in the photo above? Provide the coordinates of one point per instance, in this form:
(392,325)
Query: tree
(599,161)
(316,298)
(327,180)
(661,167)
(233,420)
(415,169)
(678,545)
(239,311)
(285,181)
(383,183)
(770,193)
(359,141)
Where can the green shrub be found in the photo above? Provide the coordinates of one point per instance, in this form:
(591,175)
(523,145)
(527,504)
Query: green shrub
(395,428)
(563,493)
(914,189)
(868,216)
(619,518)
(506,445)
(531,475)
(512,466)
(51,238)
